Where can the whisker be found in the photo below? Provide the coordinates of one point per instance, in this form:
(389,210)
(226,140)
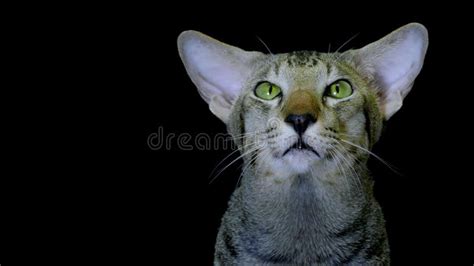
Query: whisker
(345,162)
(245,168)
(247,134)
(223,160)
(349,135)
(264,44)
(263,159)
(374,155)
(346,42)
(248,164)
(344,152)
(235,160)
(338,162)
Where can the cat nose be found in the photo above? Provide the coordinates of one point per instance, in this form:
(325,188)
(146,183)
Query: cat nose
(300,122)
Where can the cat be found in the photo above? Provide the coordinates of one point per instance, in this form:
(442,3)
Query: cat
(304,123)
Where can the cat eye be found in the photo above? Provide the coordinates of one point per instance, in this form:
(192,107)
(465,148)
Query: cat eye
(267,91)
(339,89)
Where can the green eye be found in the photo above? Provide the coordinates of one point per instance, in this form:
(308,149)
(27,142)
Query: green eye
(339,89)
(267,91)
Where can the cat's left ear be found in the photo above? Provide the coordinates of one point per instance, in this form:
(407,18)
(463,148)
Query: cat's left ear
(218,70)
(394,62)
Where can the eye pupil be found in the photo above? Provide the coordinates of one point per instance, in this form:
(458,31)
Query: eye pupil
(339,89)
(267,91)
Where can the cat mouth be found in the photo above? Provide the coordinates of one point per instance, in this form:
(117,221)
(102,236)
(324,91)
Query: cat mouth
(300,146)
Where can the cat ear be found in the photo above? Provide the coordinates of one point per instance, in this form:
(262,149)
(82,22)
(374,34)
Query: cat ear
(218,70)
(394,61)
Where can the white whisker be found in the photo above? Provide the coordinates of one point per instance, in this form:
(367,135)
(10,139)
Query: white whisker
(235,160)
(346,42)
(373,154)
(225,158)
(264,44)
(344,152)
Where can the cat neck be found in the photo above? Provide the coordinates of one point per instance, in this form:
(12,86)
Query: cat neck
(305,202)
(303,218)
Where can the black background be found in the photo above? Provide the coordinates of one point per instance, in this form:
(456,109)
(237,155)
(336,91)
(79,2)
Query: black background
(158,204)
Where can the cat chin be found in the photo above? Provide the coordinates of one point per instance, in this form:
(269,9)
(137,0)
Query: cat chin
(300,162)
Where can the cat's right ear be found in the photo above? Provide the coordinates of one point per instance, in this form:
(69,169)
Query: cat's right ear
(218,70)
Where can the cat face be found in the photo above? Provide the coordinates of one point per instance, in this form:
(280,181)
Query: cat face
(305,111)
(295,110)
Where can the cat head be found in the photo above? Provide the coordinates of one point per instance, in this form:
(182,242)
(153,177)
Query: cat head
(300,109)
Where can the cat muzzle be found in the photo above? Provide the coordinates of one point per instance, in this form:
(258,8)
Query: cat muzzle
(301,145)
